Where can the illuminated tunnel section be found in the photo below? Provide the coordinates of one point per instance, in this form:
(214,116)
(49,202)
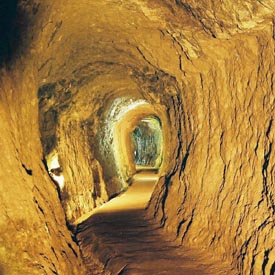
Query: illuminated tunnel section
(96,148)
(114,149)
(147,143)
(119,139)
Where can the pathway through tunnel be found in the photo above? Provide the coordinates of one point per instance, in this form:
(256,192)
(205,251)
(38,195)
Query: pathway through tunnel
(119,238)
(147,144)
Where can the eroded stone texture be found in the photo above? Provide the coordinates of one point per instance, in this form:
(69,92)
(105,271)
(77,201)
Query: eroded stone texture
(221,195)
(34,238)
(147,143)
(83,94)
(207,67)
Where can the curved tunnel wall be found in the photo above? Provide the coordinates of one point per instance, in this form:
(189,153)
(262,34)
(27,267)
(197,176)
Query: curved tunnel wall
(212,68)
(114,138)
(91,139)
(122,139)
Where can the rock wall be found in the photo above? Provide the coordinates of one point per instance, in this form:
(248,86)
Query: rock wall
(220,196)
(206,67)
(147,142)
(34,238)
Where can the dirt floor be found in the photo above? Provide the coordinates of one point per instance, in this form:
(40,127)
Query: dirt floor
(125,241)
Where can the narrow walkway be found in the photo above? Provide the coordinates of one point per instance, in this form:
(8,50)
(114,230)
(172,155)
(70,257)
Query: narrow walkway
(119,239)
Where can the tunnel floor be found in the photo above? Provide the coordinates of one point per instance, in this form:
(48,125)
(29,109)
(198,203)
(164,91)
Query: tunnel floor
(120,239)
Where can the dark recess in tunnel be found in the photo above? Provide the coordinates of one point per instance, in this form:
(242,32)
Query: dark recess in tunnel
(13,25)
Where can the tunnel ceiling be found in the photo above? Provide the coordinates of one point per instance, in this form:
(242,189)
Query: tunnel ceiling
(205,68)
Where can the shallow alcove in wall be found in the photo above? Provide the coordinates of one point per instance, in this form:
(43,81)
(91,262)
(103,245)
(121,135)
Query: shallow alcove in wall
(55,170)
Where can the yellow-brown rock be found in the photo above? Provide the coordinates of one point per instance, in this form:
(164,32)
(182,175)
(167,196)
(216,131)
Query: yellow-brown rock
(205,68)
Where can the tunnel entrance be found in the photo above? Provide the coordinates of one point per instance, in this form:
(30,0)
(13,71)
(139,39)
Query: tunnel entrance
(147,141)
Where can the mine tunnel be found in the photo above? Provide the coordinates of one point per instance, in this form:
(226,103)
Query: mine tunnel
(137,137)
(146,143)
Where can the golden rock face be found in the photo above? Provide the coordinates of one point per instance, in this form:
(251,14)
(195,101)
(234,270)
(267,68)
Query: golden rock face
(204,68)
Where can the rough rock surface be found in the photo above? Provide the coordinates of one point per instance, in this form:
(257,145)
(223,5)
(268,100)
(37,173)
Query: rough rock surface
(34,238)
(147,143)
(205,68)
(124,240)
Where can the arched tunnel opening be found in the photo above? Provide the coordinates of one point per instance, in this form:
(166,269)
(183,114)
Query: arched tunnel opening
(137,137)
(146,143)
(128,139)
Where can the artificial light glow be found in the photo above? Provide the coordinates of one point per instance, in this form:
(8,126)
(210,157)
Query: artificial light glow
(59,179)
(54,169)
(53,162)
(118,109)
